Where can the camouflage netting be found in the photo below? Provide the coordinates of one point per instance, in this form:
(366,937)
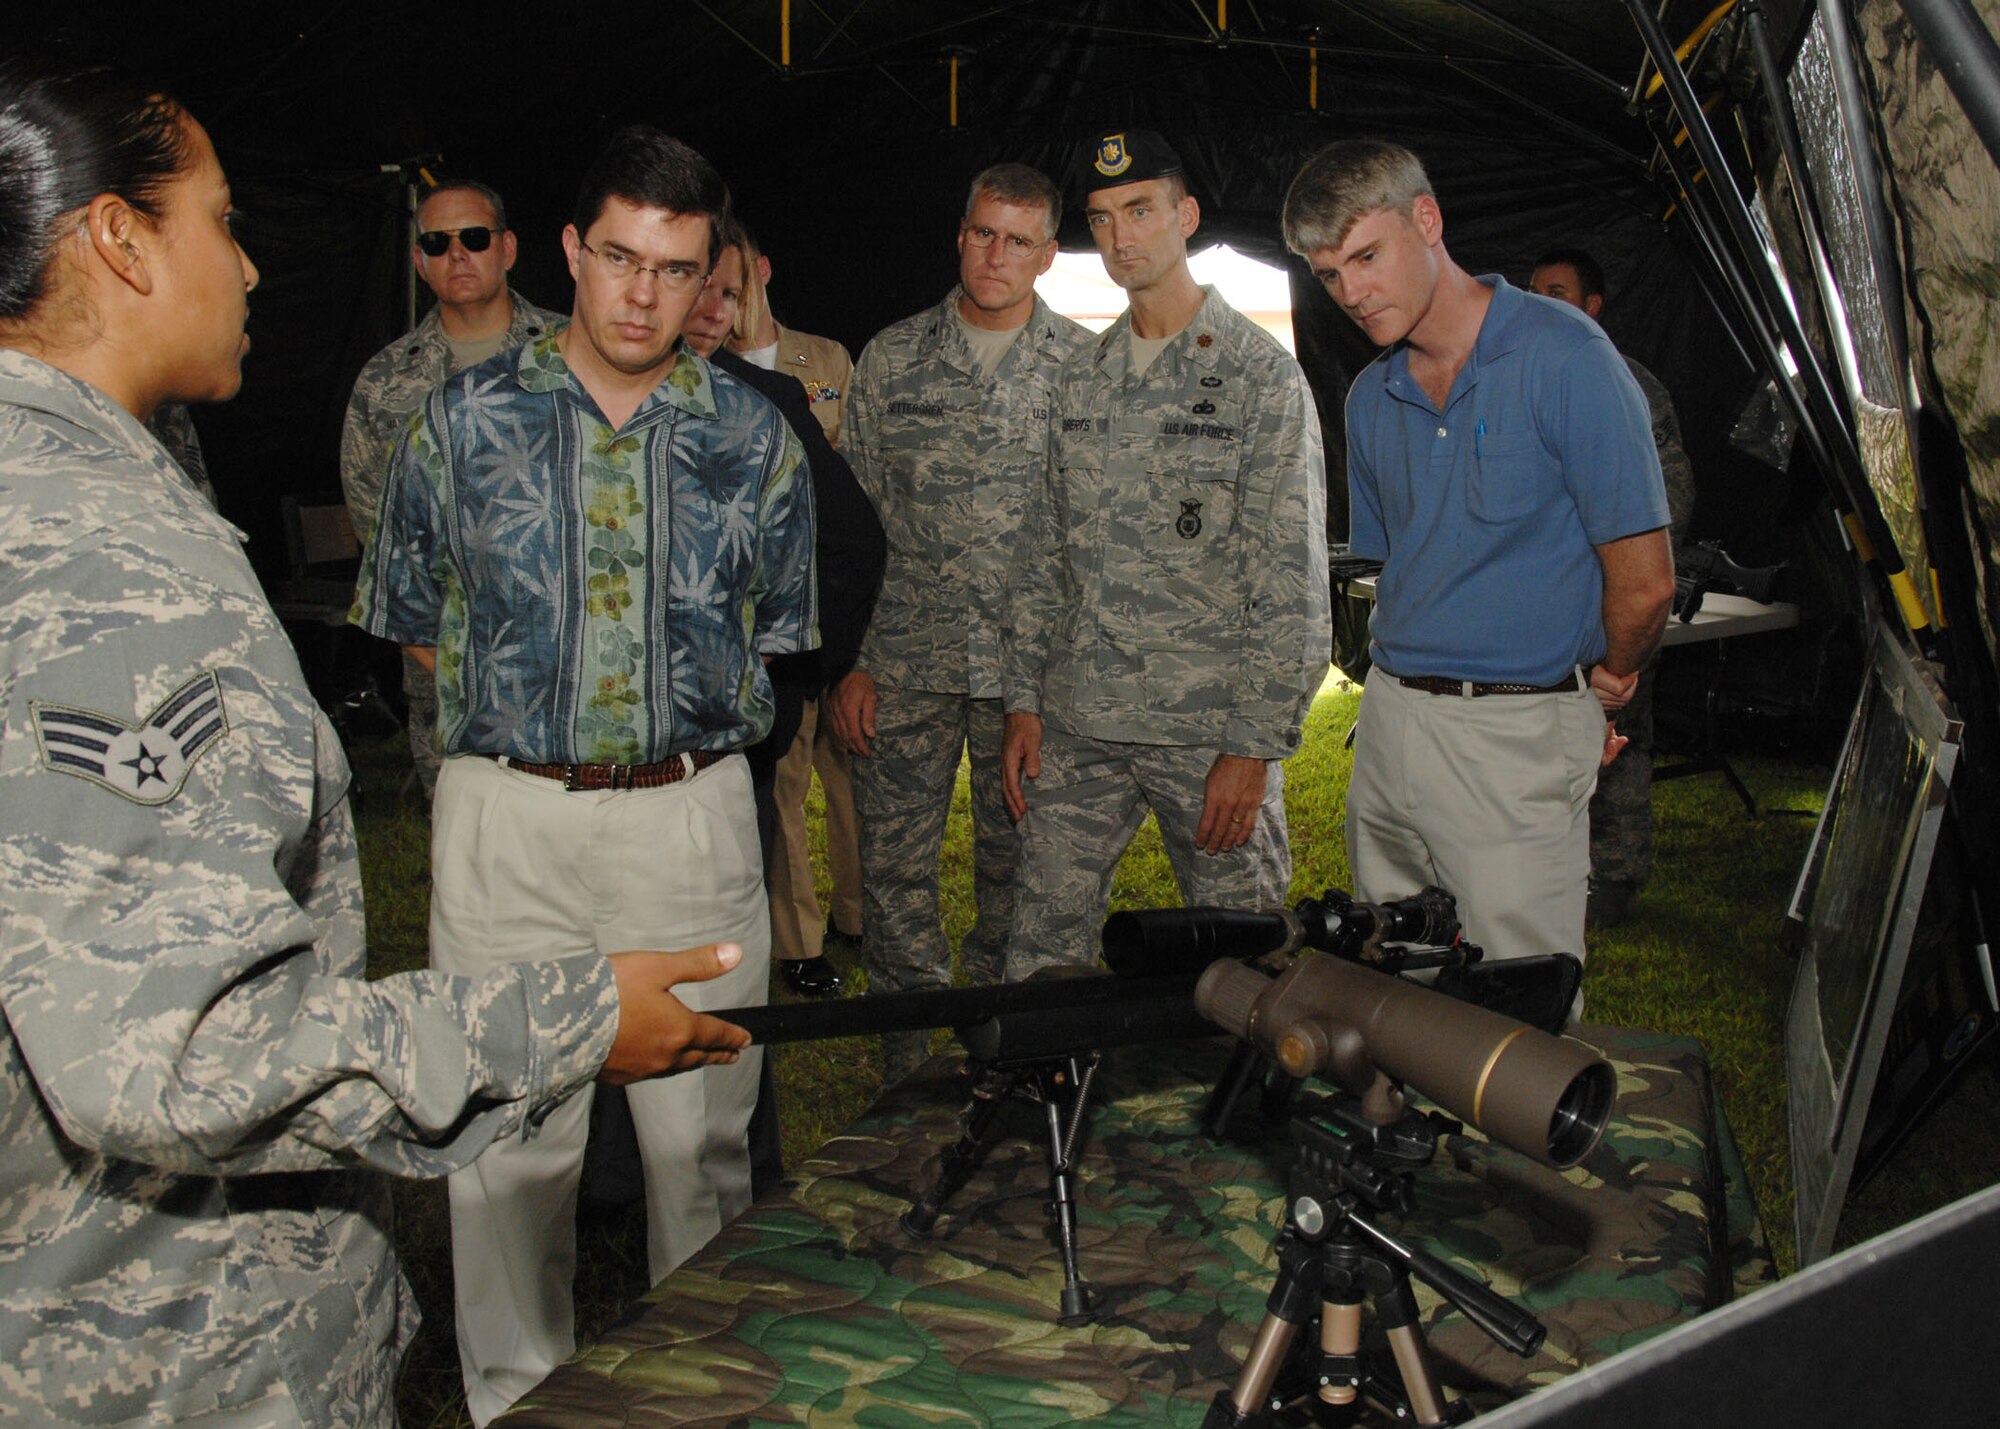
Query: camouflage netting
(815,1308)
(1948,198)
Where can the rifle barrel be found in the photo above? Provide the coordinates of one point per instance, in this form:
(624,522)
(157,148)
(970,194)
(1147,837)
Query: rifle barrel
(955,1007)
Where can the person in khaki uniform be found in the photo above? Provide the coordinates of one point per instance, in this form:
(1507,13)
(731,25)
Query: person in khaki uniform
(800,931)
(464,251)
(948,429)
(1168,618)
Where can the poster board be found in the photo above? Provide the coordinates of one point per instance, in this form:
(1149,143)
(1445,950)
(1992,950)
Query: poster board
(1855,911)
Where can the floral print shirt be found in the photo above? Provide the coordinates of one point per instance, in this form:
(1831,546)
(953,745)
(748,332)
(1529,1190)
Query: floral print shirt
(595,595)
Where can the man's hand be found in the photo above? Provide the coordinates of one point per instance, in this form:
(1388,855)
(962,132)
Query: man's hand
(1233,795)
(658,1034)
(850,707)
(1614,692)
(1020,758)
(1613,743)
(424,655)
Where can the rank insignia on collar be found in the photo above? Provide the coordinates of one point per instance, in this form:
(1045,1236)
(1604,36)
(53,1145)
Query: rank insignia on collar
(1188,524)
(146,763)
(1204,340)
(1112,158)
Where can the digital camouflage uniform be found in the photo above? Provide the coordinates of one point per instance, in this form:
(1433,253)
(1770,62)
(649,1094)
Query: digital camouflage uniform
(948,457)
(391,386)
(1621,811)
(198,1088)
(1168,603)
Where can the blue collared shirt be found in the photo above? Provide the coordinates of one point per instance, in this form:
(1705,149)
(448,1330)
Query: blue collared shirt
(1487,513)
(595,595)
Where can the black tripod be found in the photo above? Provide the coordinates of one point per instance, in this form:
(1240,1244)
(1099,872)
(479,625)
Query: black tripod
(1330,1260)
(1062,1087)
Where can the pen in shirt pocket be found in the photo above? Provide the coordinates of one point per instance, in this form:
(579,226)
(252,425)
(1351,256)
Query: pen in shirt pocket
(1479,440)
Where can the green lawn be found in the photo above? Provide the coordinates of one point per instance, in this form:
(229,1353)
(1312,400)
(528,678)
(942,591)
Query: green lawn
(1701,958)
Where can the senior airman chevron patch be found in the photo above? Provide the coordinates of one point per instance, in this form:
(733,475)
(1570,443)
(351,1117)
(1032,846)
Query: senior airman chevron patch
(146,763)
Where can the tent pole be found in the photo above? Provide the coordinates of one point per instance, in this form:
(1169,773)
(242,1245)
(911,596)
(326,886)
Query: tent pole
(1805,201)
(1535,42)
(1847,465)
(1855,112)
(1756,317)
(1963,50)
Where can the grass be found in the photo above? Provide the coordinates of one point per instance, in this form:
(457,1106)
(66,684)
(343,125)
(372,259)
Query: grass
(1702,958)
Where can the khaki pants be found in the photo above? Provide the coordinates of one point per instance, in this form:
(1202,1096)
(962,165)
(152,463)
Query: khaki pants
(1487,797)
(523,870)
(798,926)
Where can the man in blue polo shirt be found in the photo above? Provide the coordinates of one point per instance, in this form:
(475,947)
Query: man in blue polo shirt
(1501,466)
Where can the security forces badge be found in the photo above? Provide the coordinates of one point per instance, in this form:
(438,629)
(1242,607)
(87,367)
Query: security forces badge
(1112,159)
(1188,524)
(146,763)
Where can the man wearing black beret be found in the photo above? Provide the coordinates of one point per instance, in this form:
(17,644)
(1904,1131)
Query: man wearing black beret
(1168,616)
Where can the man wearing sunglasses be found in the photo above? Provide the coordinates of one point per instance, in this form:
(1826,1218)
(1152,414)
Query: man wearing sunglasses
(464,251)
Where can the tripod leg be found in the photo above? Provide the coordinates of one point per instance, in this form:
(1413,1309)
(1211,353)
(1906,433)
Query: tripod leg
(1294,1296)
(958,1161)
(1397,1313)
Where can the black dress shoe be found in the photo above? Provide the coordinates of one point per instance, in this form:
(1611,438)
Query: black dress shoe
(847,942)
(811,977)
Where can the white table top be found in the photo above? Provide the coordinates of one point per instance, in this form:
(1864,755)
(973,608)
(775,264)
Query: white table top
(1721,617)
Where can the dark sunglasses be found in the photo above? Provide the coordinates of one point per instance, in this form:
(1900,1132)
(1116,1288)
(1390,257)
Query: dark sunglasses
(435,241)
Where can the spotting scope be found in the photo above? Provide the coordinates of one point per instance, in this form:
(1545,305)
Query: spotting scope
(1545,1096)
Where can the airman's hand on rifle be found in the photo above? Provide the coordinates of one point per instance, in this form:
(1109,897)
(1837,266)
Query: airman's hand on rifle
(658,1034)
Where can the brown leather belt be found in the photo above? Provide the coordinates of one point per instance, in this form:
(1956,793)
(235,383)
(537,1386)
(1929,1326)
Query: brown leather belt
(1442,685)
(621,776)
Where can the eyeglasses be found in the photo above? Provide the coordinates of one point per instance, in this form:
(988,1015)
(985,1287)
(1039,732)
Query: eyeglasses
(677,276)
(435,241)
(1017,246)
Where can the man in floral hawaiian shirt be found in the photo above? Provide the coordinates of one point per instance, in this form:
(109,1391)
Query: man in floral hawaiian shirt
(596,539)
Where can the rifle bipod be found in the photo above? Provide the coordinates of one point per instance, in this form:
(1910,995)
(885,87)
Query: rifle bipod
(1331,1260)
(1061,1085)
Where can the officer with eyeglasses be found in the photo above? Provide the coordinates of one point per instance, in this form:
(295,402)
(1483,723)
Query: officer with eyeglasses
(464,251)
(599,540)
(947,427)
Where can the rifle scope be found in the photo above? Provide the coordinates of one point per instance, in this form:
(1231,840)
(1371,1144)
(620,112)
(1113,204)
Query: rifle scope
(1158,941)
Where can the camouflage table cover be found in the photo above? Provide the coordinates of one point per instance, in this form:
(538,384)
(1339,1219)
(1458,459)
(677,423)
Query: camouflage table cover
(814,1307)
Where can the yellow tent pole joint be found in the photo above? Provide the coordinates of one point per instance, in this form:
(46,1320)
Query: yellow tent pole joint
(785,33)
(1937,598)
(1312,79)
(1686,47)
(1222,16)
(1914,614)
(954,91)
(1859,537)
